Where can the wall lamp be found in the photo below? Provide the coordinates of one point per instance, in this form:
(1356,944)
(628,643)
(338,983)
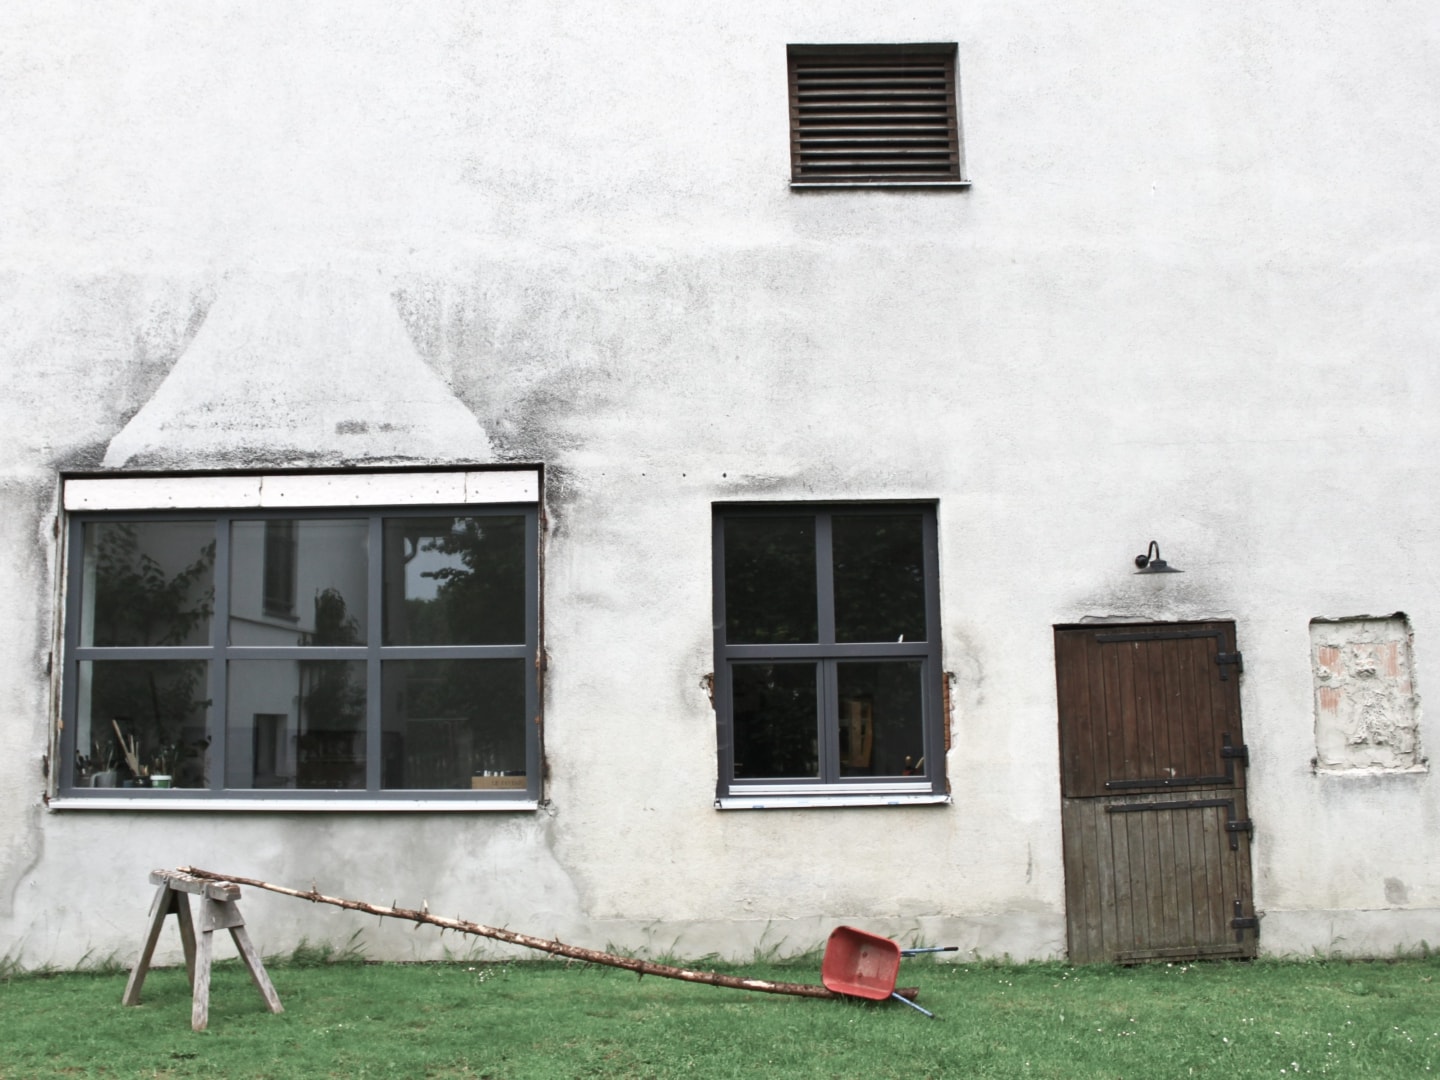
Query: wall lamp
(1152,563)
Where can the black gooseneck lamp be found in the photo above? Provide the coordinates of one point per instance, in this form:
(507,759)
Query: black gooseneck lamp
(1152,563)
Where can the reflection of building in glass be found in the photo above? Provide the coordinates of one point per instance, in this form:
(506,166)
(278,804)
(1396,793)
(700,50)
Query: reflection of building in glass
(280,568)
(297,583)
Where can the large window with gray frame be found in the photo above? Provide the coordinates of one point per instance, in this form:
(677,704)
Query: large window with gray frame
(314,654)
(828,674)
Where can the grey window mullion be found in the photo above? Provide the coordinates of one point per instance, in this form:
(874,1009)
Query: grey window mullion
(145,652)
(440,652)
(297,652)
(717,580)
(720,677)
(219,721)
(725,743)
(824,579)
(69,692)
(932,698)
(374,636)
(880,650)
(930,558)
(70,673)
(933,685)
(532,646)
(829,721)
(302,652)
(220,616)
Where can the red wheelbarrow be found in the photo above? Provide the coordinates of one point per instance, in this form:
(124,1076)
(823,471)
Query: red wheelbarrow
(864,965)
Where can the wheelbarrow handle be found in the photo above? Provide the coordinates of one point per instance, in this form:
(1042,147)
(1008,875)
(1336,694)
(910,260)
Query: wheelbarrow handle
(932,948)
(912,1004)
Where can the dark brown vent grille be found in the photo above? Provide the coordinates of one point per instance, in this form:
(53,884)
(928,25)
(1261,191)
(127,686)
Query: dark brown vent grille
(873,114)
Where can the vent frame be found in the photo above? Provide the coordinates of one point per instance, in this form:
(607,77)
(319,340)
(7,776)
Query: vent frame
(875,116)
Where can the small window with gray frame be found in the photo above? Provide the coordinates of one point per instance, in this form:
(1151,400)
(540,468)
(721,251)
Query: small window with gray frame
(875,116)
(251,654)
(828,681)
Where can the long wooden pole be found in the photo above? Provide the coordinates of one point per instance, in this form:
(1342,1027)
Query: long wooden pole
(558,948)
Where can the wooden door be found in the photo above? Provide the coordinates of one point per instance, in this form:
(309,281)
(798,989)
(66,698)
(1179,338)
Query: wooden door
(1153,808)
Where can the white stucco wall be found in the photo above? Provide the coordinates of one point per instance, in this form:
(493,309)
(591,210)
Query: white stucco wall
(1191,296)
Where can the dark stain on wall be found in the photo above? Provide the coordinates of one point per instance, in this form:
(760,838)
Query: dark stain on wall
(163,334)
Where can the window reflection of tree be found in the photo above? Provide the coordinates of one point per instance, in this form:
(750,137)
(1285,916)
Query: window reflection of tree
(464,716)
(136,603)
(479,585)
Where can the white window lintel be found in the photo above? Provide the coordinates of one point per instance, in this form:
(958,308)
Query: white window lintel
(303,490)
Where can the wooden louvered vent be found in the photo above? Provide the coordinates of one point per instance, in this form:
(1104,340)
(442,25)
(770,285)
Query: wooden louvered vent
(874,115)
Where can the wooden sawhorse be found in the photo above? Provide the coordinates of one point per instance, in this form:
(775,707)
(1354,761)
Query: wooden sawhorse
(219,910)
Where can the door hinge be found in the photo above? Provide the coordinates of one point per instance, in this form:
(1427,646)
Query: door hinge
(1225,659)
(1242,922)
(1227,750)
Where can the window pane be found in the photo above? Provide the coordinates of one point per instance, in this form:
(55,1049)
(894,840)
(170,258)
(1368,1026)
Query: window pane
(882,731)
(147,583)
(295,724)
(775,709)
(156,710)
(298,582)
(879,577)
(770,580)
(453,724)
(455,581)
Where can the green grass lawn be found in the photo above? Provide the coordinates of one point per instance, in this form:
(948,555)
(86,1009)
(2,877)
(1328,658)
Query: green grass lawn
(511,1021)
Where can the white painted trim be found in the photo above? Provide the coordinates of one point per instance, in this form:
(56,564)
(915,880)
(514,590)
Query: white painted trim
(502,486)
(303,490)
(291,806)
(288,491)
(163,493)
(791,802)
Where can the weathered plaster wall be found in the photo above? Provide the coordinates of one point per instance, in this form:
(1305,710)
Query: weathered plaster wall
(1191,296)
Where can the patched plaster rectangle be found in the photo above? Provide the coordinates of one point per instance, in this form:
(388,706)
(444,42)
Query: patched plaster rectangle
(1367,713)
(299,490)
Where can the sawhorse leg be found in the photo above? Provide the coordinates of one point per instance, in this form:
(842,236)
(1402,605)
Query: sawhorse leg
(225,915)
(167,901)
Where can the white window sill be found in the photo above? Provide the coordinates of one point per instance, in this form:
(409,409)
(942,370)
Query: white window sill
(760,801)
(812,185)
(292,806)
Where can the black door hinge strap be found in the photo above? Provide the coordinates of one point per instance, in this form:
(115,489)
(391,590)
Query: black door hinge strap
(1241,922)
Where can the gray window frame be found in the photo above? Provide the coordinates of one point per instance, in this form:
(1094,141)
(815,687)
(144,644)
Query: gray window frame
(217,651)
(826,654)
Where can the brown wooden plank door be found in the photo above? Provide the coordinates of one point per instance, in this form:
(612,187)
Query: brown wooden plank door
(1153,808)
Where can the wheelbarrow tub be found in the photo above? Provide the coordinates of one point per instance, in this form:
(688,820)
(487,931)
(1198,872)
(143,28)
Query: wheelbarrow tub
(859,964)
